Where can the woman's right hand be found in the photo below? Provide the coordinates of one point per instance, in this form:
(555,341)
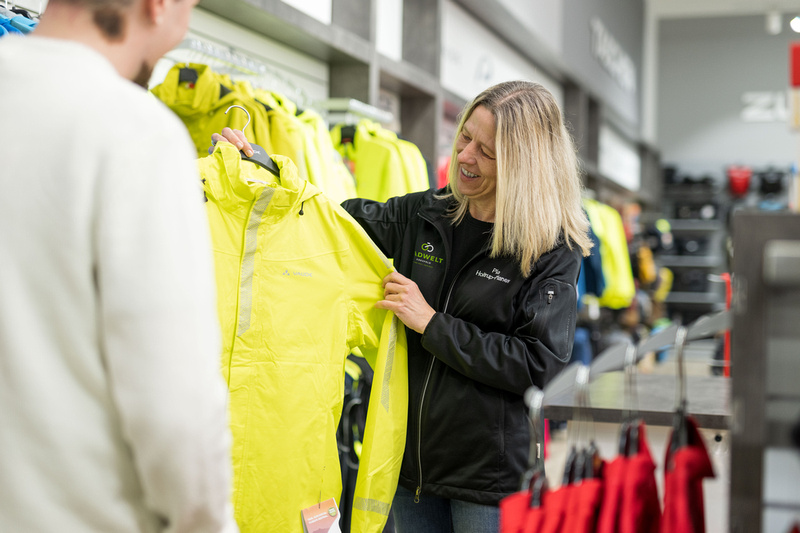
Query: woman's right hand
(235,137)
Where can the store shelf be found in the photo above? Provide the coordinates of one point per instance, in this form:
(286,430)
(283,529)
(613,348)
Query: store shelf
(694,298)
(695,225)
(293,28)
(697,261)
(695,192)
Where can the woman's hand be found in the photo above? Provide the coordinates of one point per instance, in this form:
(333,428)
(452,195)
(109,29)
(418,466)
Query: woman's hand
(235,137)
(403,297)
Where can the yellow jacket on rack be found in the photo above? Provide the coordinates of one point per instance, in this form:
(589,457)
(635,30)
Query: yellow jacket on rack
(297,281)
(606,223)
(378,166)
(201,105)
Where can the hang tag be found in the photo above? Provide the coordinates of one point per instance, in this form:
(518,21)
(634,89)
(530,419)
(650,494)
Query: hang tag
(321,518)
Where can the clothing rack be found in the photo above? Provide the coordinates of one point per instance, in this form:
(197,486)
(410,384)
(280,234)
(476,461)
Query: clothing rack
(614,357)
(34,7)
(232,61)
(350,111)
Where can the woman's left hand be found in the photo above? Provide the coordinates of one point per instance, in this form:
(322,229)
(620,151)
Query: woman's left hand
(403,297)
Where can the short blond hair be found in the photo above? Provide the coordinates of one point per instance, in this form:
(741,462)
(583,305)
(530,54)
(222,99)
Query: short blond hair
(538,191)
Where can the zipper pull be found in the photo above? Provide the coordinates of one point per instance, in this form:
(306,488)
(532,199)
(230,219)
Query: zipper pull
(550,295)
(416,496)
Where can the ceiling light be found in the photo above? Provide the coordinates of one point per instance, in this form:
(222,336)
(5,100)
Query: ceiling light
(795,24)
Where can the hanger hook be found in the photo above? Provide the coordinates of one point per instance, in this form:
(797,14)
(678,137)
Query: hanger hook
(582,387)
(680,343)
(243,109)
(534,398)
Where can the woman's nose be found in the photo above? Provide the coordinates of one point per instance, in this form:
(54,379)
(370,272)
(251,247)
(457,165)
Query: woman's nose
(467,155)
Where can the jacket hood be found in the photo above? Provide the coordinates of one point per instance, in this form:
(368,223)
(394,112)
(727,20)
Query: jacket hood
(242,181)
(190,99)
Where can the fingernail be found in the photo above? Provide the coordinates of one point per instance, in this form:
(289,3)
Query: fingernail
(239,145)
(249,152)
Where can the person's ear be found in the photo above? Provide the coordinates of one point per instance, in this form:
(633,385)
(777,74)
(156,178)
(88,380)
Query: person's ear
(155,10)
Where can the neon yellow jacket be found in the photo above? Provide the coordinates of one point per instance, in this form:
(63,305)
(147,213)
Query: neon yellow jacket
(414,167)
(201,106)
(378,166)
(297,282)
(614,256)
(330,173)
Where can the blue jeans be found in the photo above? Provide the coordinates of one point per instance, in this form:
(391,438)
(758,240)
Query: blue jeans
(439,515)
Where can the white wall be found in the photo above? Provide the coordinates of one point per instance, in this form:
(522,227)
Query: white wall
(473,58)
(298,76)
(708,114)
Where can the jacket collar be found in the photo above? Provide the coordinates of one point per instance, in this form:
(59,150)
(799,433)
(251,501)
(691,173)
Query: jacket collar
(239,182)
(436,210)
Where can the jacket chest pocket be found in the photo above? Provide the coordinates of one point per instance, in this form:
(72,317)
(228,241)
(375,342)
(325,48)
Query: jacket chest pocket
(554,317)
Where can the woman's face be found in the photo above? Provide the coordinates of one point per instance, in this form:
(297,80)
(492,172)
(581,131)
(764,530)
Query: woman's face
(475,154)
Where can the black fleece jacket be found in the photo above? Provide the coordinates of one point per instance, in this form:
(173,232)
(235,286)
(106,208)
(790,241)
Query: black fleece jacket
(495,334)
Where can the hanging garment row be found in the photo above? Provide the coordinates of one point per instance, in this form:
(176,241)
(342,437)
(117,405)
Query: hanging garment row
(619,283)
(598,495)
(15,20)
(371,163)
(297,281)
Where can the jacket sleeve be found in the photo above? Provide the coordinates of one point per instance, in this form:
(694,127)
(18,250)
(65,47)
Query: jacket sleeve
(381,337)
(160,333)
(384,222)
(535,347)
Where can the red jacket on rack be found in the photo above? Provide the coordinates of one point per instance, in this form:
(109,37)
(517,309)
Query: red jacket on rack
(684,471)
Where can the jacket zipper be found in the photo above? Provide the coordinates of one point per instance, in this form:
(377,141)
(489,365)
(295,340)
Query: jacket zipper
(430,367)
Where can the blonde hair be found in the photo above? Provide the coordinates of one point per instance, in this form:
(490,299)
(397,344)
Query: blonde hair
(538,190)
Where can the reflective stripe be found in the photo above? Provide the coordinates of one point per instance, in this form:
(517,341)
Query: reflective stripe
(248,261)
(387,373)
(375,506)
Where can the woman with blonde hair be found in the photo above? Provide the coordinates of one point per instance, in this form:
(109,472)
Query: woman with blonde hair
(486,285)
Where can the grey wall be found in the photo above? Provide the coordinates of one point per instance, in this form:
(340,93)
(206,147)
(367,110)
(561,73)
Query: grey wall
(543,17)
(705,68)
(624,20)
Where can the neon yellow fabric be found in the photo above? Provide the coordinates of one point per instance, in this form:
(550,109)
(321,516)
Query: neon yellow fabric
(285,129)
(202,105)
(665,286)
(414,168)
(378,166)
(296,294)
(615,259)
(326,169)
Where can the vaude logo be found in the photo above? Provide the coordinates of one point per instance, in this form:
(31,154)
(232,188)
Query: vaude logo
(426,257)
(494,276)
(287,272)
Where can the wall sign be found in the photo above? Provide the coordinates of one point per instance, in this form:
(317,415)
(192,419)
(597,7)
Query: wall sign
(614,59)
(764,106)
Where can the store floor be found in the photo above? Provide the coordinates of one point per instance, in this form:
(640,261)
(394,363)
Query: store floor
(717,442)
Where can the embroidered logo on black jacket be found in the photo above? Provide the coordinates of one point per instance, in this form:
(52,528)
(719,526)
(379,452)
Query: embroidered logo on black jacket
(426,255)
